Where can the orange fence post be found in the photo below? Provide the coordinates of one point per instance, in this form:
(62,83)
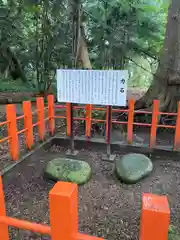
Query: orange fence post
(130,121)
(50,99)
(88,120)
(177,133)
(40,114)
(64,211)
(63,201)
(4,233)
(68,119)
(12,131)
(154,123)
(28,124)
(155,217)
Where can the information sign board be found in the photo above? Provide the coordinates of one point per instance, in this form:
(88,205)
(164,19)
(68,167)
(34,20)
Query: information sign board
(100,87)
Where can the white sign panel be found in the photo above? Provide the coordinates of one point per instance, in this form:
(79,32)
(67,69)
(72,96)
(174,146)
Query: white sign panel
(102,87)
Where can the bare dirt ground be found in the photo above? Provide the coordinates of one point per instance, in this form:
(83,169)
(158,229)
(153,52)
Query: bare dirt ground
(107,207)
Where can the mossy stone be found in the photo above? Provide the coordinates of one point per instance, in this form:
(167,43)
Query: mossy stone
(68,170)
(132,167)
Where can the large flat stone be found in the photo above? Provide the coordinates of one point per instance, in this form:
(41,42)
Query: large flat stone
(132,167)
(68,170)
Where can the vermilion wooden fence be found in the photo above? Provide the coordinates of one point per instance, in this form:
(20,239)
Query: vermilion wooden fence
(27,116)
(63,203)
(130,123)
(63,197)
(11,122)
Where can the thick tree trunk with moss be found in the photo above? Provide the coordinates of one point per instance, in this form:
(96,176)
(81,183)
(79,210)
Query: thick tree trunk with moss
(166,84)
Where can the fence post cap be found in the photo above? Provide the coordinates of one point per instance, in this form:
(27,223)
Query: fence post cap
(63,189)
(10,105)
(153,202)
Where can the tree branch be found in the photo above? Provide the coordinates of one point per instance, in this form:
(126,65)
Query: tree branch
(130,59)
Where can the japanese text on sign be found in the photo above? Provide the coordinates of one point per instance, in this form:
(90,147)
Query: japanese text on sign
(103,87)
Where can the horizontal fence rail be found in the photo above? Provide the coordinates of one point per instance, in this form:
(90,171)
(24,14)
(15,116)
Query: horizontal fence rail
(68,116)
(153,126)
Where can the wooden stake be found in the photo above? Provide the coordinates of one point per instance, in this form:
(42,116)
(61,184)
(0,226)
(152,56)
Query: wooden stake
(4,233)
(64,211)
(40,114)
(28,124)
(12,131)
(155,114)
(155,217)
(130,121)
(50,99)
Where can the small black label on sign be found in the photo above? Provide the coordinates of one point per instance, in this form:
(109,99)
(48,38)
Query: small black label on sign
(121,90)
(122,81)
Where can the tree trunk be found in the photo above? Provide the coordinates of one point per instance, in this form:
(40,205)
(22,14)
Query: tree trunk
(83,52)
(166,83)
(13,64)
(80,50)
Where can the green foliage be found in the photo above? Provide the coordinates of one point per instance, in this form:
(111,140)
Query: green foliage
(8,85)
(140,77)
(120,34)
(133,25)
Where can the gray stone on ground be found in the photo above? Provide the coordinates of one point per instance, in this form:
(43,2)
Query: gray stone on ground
(68,170)
(132,167)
